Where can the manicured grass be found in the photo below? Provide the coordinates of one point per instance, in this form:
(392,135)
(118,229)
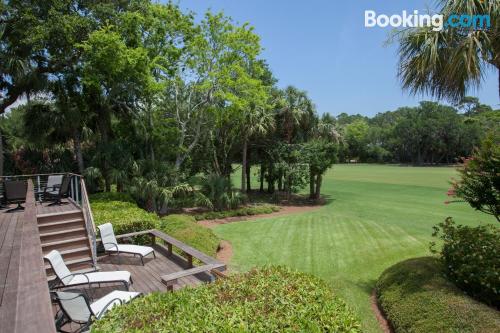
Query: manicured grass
(375,217)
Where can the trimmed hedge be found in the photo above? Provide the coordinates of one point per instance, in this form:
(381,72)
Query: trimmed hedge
(272,299)
(416,297)
(120,210)
(244,211)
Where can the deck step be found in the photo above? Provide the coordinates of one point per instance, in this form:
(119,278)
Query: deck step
(72,250)
(61,232)
(65,241)
(59,216)
(60,223)
(74,211)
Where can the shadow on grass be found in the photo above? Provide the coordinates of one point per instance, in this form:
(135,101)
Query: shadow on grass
(366,286)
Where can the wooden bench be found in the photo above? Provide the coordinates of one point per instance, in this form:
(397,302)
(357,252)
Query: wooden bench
(171,279)
(210,265)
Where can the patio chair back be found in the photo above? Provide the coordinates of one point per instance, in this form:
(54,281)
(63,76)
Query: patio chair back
(74,305)
(59,267)
(107,236)
(15,190)
(54,181)
(64,189)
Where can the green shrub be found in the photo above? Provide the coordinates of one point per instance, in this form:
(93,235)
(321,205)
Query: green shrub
(471,256)
(244,211)
(273,299)
(104,197)
(185,229)
(127,217)
(416,297)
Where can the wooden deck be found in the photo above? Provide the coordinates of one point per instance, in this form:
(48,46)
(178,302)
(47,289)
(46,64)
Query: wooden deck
(10,236)
(24,294)
(147,278)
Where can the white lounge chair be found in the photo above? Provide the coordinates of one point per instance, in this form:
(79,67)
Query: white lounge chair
(111,245)
(68,279)
(76,308)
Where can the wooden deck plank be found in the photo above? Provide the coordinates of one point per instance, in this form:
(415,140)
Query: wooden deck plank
(26,305)
(7,246)
(147,278)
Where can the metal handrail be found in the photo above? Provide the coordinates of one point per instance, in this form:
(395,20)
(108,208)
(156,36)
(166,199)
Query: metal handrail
(41,174)
(89,220)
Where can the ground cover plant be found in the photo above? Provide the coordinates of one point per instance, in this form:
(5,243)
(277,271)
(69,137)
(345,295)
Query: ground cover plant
(374,217)
(271,299)
(243,211)
(416,297)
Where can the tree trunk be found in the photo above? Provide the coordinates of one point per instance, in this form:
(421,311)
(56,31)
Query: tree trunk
(104,128)
(1,155)
(244,166)
(271,181)
(311,185)
(77,146)
(319,180)
(262,173)
(150,134)
(248,172)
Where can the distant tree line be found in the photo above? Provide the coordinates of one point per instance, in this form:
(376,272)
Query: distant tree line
(430,133)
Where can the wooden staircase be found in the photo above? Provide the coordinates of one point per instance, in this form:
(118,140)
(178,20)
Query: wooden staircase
(66,232)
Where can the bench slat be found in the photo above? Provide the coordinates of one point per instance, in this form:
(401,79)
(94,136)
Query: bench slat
(168,279)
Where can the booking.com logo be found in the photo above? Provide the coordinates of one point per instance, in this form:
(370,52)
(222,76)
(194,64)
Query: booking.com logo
(436,21)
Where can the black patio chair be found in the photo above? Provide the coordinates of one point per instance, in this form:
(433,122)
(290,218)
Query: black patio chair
(15,192)
(53,184)
(58,193)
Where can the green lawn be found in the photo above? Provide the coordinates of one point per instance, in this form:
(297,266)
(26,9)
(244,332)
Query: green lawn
(375,216)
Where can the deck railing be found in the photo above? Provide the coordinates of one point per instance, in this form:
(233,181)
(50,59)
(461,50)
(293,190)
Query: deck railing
(40,182)
(77,194)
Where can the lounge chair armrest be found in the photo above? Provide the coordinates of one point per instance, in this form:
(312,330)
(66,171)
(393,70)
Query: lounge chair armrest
(114,244)
(84,274)
(104,309)
(71,274)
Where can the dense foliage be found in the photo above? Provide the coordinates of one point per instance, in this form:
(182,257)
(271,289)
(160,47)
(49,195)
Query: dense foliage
(144,96)
(120,210)
(416,297)
(471,257)
(272,299)
(479,183)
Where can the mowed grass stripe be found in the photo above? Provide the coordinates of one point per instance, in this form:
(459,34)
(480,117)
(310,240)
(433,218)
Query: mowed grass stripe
(375,217)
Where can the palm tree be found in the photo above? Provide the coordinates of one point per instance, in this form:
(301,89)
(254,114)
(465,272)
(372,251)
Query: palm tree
(295,105)
(257,121)
(447,63)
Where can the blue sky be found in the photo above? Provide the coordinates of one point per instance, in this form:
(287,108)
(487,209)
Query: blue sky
(323,47)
